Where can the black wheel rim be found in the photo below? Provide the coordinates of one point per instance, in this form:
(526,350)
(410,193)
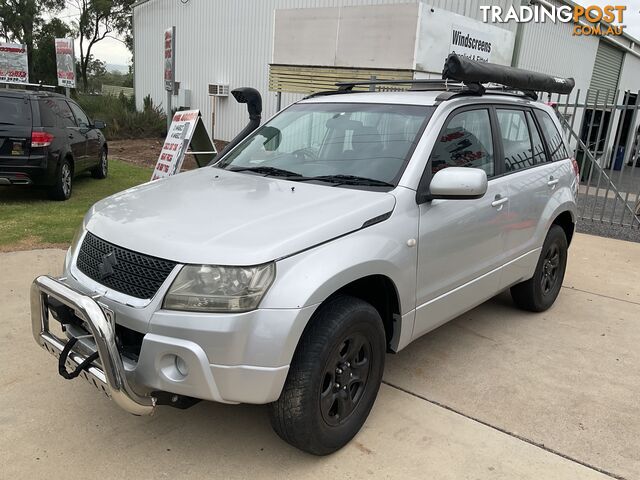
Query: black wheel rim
(550,269)
(345,378)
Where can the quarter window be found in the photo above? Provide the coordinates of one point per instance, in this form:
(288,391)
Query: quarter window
(516,141)
(557,150)
(466,141)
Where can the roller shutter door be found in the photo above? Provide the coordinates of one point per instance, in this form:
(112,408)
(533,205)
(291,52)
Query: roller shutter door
(606,72)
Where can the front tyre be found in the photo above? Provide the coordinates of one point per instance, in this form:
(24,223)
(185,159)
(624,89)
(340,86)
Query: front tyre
(538,293)
(334,377)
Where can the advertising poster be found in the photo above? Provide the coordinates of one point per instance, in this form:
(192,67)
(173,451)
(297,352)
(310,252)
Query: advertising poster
(65,62)
(13,63)
(176,144)
(169,58)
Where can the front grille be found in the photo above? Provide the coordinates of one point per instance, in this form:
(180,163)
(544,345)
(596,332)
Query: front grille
(132,273)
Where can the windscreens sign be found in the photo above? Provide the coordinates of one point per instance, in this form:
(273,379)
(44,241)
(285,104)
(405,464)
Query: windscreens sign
(169,58)
(470,43)
(65,62)
(14,67)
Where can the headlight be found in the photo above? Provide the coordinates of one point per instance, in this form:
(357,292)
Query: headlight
(75,244)
(210,288)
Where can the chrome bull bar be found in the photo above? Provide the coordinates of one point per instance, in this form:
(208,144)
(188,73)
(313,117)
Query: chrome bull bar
(110,377)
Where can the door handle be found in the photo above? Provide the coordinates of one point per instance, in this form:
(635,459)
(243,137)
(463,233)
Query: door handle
(553,181)
(499,201)
(70,135)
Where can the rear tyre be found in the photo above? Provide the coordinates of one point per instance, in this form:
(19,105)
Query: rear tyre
(102,169)
(538,293)
(61,190)
(334,377)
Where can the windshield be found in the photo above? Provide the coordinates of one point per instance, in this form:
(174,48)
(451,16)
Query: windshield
(340,143)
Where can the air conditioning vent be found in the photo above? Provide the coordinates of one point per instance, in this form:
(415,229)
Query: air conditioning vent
(218,90)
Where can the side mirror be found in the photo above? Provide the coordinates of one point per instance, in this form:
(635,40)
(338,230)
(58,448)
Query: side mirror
(458,183)
(99,124)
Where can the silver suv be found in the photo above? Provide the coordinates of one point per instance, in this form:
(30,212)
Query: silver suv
(346,227)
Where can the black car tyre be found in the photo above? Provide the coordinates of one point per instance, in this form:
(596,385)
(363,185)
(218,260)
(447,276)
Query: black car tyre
(61,190)
(102,169)
(538,293)
(334,377)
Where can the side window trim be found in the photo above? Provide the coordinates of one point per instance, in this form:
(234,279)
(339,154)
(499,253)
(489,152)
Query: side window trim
(422,194)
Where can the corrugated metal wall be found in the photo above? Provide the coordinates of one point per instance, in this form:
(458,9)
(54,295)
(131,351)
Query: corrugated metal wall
(228,41)
(552,49)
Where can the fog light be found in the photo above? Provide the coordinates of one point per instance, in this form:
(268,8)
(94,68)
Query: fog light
(181,366)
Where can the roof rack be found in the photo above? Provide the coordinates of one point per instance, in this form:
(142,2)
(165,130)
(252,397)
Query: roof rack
(462,76)
(27,86)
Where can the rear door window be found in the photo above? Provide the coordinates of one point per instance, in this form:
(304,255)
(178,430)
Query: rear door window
(539,155)
(466,141)
(516,141)
(552,135)
(15,111)
(48,116)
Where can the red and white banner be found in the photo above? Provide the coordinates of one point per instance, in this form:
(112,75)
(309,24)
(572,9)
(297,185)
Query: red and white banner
(169,58)
(66,62)
(176,144)
(14,66)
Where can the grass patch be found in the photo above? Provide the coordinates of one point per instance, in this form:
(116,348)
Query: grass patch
(28,219)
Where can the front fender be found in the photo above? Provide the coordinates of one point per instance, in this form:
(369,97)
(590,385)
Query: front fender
(310,277)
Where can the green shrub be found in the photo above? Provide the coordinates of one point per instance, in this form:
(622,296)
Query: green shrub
(122,118)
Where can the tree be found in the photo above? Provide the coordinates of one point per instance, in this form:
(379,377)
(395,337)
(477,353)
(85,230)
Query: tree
(98,19)
(44,50)
(19,20)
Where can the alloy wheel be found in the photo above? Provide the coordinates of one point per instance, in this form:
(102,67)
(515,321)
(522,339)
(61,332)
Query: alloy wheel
(66,179)
(345,378)
(550,269)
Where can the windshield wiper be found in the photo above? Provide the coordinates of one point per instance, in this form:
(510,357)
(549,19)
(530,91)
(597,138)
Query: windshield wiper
(268,171)
(349,180)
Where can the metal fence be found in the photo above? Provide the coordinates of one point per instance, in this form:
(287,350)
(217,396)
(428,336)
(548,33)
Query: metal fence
(602,127)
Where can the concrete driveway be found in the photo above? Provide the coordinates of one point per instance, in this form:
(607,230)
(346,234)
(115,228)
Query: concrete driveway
(495,394)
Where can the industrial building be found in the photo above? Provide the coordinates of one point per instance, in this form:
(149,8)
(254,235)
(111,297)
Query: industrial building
(296,46)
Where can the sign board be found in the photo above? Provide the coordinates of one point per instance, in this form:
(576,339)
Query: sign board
(169,58)
(471,43)
(14,66)
(442,32)
(65,62)
(186,130)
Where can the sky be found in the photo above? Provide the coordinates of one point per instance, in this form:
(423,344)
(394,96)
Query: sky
(113,51)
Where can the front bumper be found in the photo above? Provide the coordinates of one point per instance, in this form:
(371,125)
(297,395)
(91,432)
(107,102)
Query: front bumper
(109,376)
(241,358)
